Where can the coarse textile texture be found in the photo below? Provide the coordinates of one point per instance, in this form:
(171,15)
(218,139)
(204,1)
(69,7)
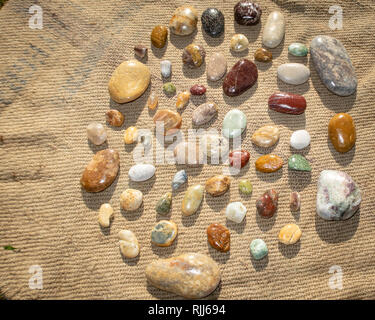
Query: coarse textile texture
(54,83)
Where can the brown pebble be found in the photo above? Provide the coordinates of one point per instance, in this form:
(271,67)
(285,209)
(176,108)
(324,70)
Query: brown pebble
(159,36)
(217,185)
(114,118)
(263,55)
(140,51)
(295,201)
(218,237)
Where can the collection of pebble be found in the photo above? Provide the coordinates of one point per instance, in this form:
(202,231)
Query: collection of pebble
(338,196)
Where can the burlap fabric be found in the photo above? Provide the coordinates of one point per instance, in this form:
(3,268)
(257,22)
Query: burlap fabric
(54,82)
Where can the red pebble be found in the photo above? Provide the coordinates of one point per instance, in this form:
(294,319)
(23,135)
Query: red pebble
(287,103)
(198,90)
(239,157)
(267,204)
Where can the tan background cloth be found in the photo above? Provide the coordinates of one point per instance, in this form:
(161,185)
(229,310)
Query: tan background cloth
(54,82)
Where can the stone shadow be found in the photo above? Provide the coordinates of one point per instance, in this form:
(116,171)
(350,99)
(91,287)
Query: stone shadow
(144,186)
(265,224)
(343,159)
(251,32)
(218,256)
(259,265)
(290,251)
(213,41)
(270,176)
(131,261)
(239,100)
(238,227)
(218,203)
(292,121)
(180,42)
(132,215)
(299,180)
(296,89)
(164,252)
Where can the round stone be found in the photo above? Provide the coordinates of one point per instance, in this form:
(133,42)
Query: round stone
(96,133)
(164,233)
(290,234)
(216,67)
(293,73)
(258,249)
(245,186)
(239,158)
(213,146)
(235,212)
(130,135)
(218,237)
(300,139)
(141,172)
(184,21)
(131,199)
(129,81)
(263,55)
(266,136)
(169,88)
(213,22)
(234,123)
(239,42)
(247,13)
(114,118)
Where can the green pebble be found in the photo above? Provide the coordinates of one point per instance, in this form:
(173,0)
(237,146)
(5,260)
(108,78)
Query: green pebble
(258,249)
(298,49)
(169,88)
(245,186)
(163,206)
(298,162)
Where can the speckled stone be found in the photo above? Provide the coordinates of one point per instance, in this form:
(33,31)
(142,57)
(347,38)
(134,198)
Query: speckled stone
(333,65)
(245,186)
(267,204)
(192,199)
(179,179)
(274,30)
(184,21)
(338,196)
(204,113)
(163,206)
(216,66)
(299,163)
(164,233)
(298,49)
(213,22)
(131,199)
(193,55)
(258,249)
(218,237)
(217,185)
(300,139)
(247,13)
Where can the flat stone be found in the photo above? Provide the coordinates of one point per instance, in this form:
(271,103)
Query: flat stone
(204,113)
(159,36)
(247,13)
(193,55)
(141,172)
(179,179)
(234,123)
(191,275)
(245,186)
(300,139)
(163,206)
(217,185)
(290,234)
(338,196)
(96,133)
(299,163)
(289,103)
(333,65)
(274,30)
(235,212)
(342,132)
(172,120)
(295,201)
(239,43)
(239,158)
(293,73)
(184,21)
(131,199)
(240,78)
(192,199)
(164,233)
(218,237)
(263,55)
(298,49)
(269,163)
(216,66)
(258,249)
(101,171)
(129,245)
(267,204)
(129,81)
(213,22)
(266,136)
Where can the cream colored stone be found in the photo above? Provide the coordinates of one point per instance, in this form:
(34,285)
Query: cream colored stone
(105,215)
(274,29)
(266,136)
(131,199)
(96,133)
(239,43)
(293,73)
(129,245)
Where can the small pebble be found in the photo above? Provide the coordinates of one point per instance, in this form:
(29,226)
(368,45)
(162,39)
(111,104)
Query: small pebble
(290,234)
(169,88)
(216,66)
(114,118)
(140,51)
(295,201)
(159,36)
(172,120)
(267,204)
(218,237)
(96,133)
(184,20)
(182,99)
(299,163)
(239,43)
(266,136)
(293,73)
(198,90)
(258,249)
(192,199)
(141,172)
(235,212)
(298,49)
(131,199)
(239,158)
(105,215)
(234,123)
(269,163)
(300,139)
(129,245)
(164,233)
(204,113)
(263,55)
(247,13)
(166,68)
(130,135)
(217,185)
(245,186)
(163,206)
(152,101)
(193,55)
(179,179)
(213,22)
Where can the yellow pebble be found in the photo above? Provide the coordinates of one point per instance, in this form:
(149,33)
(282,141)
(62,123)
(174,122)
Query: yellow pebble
(290,234)
(130,135)
(182,99)
(152,101)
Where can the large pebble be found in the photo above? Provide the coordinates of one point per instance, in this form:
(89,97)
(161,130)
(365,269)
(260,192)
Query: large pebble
(269,163)
(218,237)
(141,172)
(267,204)
(213,22)
(193,55)
(192,199)
(163,206)
(131,199)
(240,78)
(338,196)
(101,171)
(266,136)
(187,152)
(191,275)
(179,179)
(333,65)
(290,234)
(129,81)
(217,185)
(96,133)
(171,120)
(184,21)
(341,132)
(289,103)
(129,245)
(216,66)
(234,123)
(164,233)
(258,249)
(293,73)
(235,212)
(274,29)
(159,36)
(300,139)
(247,13)
(204,113)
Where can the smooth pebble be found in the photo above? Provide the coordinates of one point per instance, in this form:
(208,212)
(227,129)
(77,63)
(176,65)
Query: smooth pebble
(235,212)
(300,139)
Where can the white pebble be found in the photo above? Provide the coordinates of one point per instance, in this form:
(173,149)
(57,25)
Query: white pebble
(141,172)
(96,133)
(235,211)
(300,139)
(166,68)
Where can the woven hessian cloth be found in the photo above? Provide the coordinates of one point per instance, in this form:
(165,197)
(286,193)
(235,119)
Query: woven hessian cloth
(54,83)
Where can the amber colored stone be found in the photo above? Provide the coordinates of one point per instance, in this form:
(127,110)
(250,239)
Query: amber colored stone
(152,101)
(159,36)
(268,163)
(217,185)
(290,234)
(341,132)
(114,118)
(130,135)
(193,55)
(267,204)
(263,55)
(266,136)
(240,78)
(218,237)
(239,158)
(101,171)
(172,120)
(287,103)
(182,99)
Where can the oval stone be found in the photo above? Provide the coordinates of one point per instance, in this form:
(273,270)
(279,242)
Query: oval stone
(240,78)
(263,55)
(179,179)
(114,118)
(213,22)
(96,133)
(267,204)
(198,90)
(300,139)
(101,171)
(245,186)
(182,99)
(164,233)
(274,29)
(341,132)
(163,206)
(235,212)
(338,196)
(131,199)
(293,73)
(141,172)
(268,163)
(217,185)
(166,68)
(129,81)
(216,67)
(184,21)
(287,103)
(266,136)
(218,237)
(159,36)
(295,201)
(247,13)
(298,49)
(239,43)
(290,234)
(239,158)
(129,245)
(192,199)
(193,55)
(333,65)
(191,275)
(299,163)
(204,113)
(234,123)
(172,120)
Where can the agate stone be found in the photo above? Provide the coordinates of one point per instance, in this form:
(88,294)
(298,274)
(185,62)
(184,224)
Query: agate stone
(213,22)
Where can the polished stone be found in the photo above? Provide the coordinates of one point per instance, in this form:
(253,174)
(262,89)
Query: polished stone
(234,123)
(213,22)
(342,132)
(241,77)
(274,30)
